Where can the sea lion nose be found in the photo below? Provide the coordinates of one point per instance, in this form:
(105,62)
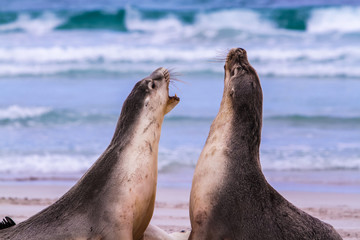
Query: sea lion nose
(165,72)
(162,70)
(241,51)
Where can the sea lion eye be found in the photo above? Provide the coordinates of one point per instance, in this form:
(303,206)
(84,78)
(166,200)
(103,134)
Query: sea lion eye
(232,91)
(152,85)
(234,71)
(237,70)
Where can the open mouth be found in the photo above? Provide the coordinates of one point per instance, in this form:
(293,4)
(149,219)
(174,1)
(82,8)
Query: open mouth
(167,78)
(174,98)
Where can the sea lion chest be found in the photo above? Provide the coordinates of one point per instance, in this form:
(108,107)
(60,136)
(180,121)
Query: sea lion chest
(211,169)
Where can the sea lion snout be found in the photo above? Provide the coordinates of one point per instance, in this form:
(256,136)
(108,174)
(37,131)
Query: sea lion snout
(236,63)
(158,78)
(160,74)
(159,81)
(236,57)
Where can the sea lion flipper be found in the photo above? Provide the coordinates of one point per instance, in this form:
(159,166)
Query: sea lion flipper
(7,222)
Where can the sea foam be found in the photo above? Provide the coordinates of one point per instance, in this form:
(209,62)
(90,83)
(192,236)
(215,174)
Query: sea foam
(335,19)
(186,39)
(46,22)
(17,112)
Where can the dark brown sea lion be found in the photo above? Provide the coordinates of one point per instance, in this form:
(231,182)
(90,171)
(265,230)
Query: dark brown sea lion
(116,196)
(230,197)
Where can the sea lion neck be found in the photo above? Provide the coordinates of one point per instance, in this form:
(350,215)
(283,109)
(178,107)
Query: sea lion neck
(129,115)
(246,136)
(245,122)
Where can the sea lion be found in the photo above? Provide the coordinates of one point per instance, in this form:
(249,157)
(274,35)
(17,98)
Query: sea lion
(115,198)
(230,197)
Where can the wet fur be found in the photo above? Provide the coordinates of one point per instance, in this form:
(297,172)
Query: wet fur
(245,206)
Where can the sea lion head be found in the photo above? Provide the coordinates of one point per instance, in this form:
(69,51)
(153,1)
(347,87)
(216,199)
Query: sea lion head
(149,100)
(156,87)
(151,94)
(242,83)
(243,95)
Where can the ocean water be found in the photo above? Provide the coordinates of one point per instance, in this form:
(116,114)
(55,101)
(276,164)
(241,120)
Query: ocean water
(67,66)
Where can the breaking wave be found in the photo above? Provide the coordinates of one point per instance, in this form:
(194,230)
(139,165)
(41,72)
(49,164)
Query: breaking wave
(43,116)
(108,43)
(313,19)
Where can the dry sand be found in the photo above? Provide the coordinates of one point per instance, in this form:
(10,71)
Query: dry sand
(20,201)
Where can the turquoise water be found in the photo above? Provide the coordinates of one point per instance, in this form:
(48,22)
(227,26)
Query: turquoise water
(66,68)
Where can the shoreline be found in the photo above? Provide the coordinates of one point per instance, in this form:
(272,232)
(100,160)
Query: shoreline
(342,210)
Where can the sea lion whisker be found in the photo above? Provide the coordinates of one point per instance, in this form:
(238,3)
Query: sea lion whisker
(216,60)
(223,53)
(174,76)
(221,56)
(173,85)
(173,80)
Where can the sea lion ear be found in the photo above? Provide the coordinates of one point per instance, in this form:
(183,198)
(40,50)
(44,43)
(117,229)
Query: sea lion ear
(253,85)
(146,102)
(232,92)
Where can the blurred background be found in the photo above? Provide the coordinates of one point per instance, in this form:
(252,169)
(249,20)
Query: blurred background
(67,66)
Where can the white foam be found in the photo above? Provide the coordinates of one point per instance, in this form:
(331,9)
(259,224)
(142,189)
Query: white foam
(310,162)
(268,61)
(134,22)
(335,19)
(309,63)
(28,165)
(305,54)
(281,159)
(37,164)
(348,146)
(188,47)
(206,25)
(236,19)
(38,26)
(270,69)
(107,53)
(309,70)
(18,112)
(183,156)
(305,157)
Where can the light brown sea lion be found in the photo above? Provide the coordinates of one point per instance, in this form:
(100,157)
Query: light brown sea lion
(230,197)
(115,198)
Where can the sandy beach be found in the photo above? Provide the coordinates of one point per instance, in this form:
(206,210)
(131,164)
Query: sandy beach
(342,210)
